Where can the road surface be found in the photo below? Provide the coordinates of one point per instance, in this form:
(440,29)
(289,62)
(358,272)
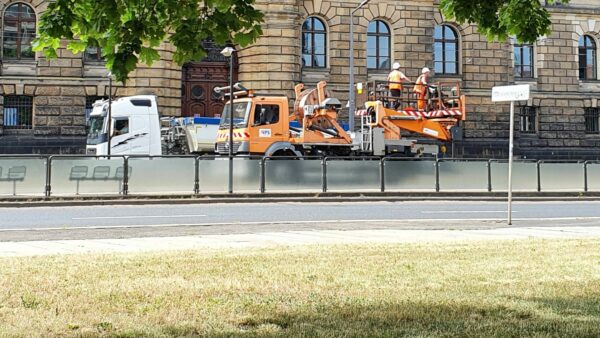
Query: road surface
(126,221)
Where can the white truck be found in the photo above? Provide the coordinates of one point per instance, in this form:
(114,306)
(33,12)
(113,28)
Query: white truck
(136,128)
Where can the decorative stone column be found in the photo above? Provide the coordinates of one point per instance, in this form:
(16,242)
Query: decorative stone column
(162,79)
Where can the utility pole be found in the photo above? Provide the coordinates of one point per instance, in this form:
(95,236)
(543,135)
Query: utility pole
(109,122)
(228,52)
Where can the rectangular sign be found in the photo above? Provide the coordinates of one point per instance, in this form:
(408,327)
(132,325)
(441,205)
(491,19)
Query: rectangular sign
(510,93)
(431,132)
(264,133)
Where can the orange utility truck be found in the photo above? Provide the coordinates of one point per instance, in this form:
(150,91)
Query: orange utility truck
(263,126)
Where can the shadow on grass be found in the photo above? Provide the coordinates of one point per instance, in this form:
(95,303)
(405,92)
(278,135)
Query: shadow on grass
(542,317)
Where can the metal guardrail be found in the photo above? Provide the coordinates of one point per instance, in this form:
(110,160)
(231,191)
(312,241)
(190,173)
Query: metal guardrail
(390,174)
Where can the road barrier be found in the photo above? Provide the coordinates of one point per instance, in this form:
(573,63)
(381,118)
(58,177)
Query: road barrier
(81,175)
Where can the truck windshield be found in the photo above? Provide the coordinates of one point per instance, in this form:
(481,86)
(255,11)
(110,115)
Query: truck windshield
(241,111)
(96,132)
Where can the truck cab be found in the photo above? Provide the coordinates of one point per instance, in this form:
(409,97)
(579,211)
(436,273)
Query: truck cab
(260,125)
(134,127)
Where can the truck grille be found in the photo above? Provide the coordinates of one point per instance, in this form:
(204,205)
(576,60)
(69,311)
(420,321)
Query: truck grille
(223,147)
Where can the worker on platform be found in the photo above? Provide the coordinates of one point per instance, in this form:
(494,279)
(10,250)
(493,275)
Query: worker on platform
(421,88)
(395,83)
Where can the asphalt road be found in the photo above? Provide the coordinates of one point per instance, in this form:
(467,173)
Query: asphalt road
(82,222)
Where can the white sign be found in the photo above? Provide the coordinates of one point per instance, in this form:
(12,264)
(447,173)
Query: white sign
(431,132)
(264,133)
(510,93)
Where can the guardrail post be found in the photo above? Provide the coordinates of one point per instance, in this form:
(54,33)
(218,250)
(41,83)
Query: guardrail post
(489,170)
(324,173)
(437,175)
(48,188)
(539,179)
(125,175)
(382,174)
(197,175)
(585,176)
(263,164)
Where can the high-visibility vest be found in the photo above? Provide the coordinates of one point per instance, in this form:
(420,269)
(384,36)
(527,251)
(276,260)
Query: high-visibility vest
(395,78)
(420,85)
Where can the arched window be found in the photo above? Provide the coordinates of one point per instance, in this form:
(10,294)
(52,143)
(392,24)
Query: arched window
(445,50)
(314,43)
(19,30)
(587,58)
(378,45)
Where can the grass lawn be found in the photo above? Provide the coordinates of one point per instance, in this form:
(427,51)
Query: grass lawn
(540,288)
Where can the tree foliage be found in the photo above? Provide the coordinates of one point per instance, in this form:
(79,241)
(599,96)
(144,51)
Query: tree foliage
(499,19)
(129,31)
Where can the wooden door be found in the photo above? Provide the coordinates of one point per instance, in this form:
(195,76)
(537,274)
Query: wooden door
(199,78)
(199,81)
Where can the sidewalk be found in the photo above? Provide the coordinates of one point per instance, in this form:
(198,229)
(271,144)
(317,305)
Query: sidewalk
(269,239)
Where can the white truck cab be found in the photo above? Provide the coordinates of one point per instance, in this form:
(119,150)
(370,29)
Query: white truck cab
(134,126)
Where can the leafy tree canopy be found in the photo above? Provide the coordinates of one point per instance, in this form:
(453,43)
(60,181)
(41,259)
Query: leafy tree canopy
(129,31)
(499,19)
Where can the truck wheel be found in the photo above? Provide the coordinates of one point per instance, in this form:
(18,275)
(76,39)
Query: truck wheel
(285,153)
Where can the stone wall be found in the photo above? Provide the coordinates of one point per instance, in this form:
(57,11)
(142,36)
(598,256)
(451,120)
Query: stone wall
(273,64)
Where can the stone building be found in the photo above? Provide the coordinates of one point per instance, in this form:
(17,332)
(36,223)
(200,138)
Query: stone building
(43,103)
(308,41)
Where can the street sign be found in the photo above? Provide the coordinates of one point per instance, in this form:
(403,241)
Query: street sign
(510,93)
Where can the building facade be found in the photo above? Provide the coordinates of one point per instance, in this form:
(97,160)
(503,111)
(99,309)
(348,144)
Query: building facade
(308,41)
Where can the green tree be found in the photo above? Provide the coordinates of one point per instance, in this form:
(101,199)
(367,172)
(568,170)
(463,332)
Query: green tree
(129,31)
(498,19)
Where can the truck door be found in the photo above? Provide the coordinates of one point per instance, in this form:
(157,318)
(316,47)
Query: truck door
(140,137)
(267,126)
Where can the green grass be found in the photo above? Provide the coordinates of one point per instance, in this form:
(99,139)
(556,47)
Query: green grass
(505,288)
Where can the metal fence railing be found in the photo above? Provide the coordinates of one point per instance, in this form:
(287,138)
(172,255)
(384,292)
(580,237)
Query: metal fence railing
(73,175)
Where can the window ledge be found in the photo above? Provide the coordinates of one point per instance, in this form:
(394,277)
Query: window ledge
(19,67)
(315,70)
(94,63)
(19,62)
(590,85)
(452,76)
(10,131)
(526,80)
(378,70)
(592,135)
(94,69)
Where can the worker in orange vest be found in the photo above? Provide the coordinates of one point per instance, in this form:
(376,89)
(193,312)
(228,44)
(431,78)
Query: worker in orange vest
(395,81)
(421,87)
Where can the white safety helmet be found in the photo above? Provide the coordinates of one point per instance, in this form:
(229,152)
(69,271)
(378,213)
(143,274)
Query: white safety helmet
(425,70)
(396,66)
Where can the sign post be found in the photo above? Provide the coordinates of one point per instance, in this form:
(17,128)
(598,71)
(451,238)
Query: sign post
(512,94)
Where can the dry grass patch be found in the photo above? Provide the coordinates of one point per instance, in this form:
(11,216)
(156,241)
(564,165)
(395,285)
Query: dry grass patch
(520,288)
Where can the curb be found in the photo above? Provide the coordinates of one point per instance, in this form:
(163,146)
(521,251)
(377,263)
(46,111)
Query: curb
(59,201)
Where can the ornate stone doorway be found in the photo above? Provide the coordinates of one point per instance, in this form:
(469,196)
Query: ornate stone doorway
(199,78)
